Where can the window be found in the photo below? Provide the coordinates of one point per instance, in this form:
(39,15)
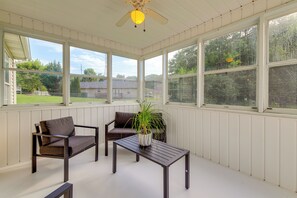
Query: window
(124,78)
(35,70)
(283,62)
(153,79)
(230,69)
(88,71)
(182,75)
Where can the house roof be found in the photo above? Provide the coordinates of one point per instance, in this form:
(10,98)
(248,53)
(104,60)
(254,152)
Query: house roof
(116,84)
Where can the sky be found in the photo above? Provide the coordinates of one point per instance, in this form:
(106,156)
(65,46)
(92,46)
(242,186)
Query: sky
(80,59)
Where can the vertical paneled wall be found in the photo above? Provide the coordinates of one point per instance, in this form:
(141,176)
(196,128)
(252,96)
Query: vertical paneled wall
(16,127)
(260,145)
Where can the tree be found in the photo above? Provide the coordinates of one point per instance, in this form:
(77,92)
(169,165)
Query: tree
(52,82)
(28,81)
(184,62)
(75,87)
(89,72)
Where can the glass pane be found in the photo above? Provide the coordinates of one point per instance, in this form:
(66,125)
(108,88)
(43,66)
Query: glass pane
(282,38)
(153,79)
(43,61)
(232,50)
(89,84)
(234,88)
(283,87)
(182,80)
(88,62)
(124,78)
(33,88)
(182,89)
(86,89)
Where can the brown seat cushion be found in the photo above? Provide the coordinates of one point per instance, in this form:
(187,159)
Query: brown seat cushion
(123,120)
(122,130)
(60,126)
(76,144)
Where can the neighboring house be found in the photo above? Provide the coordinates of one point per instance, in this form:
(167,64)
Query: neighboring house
(121,88)
(16,48)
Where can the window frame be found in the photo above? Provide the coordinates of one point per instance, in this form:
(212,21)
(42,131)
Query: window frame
(83,47)
(62,74)
(162,78)
(166,95)
(268,65)
(233,28)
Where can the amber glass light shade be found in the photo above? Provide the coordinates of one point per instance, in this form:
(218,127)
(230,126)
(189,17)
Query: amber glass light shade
(137,17)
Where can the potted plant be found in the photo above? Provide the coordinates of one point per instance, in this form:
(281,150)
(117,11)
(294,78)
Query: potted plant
(145,121)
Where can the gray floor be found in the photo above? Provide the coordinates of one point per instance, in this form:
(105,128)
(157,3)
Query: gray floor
(134,180)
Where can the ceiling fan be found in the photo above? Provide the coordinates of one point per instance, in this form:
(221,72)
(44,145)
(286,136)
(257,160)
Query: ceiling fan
(139,13)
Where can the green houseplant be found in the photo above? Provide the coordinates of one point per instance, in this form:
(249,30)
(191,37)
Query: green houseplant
(147,121)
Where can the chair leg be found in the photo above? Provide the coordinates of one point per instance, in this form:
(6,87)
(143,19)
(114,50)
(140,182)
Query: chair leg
(66,160)
(34,162)
(96,152)
(106,147)
(66,169)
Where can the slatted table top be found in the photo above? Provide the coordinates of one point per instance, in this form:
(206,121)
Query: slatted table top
(159,152)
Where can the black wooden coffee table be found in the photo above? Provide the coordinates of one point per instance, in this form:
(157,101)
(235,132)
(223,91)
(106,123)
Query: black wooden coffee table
(159,152)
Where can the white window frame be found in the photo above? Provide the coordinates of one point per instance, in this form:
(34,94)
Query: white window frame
(268,65)
(88,48)
(43,38)
(249,23)
(167,77)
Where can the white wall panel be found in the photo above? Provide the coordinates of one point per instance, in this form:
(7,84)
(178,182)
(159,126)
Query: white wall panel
(245,143)
(224,139)
(199,137)
(186,128)
(180,130)
(80,120)
(288,154)
(234,141)
(215,136)
(46,114)
(101,123)
(3,139)
(25,136)
(272,150)
(258,146)
(192,133)
(56,113)
(13,138)
(87,121)
(64,112)
(174,128)
(206,133)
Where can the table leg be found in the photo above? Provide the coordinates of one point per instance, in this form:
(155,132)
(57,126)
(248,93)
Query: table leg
(137,158)
(114,158)
(187,171)
(166,182)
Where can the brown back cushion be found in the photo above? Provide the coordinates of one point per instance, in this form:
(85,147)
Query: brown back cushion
(123,120)
(60,126)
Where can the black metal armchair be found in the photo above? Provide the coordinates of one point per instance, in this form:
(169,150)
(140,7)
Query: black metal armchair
(57,139)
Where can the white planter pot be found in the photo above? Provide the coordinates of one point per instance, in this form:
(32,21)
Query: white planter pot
(145,140)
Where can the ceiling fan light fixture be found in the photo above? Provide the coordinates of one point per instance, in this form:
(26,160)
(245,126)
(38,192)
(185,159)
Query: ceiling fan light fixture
(137,17)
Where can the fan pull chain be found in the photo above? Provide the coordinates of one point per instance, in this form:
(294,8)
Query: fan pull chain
(144,26)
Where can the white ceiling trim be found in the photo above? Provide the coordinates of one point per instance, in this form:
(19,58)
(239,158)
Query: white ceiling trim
(65,33)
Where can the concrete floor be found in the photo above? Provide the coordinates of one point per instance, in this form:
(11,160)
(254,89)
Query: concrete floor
(134,180)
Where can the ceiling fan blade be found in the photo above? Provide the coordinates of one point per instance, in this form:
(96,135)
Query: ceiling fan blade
(123,20)
(156,16)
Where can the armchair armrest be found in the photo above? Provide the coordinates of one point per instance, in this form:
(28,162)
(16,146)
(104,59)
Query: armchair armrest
(90,127)
(51,136)
(106,125)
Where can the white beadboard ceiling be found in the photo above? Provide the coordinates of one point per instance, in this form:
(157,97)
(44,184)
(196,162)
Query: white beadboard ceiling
(98,17)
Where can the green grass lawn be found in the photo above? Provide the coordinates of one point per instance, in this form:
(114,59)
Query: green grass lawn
(34,99)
